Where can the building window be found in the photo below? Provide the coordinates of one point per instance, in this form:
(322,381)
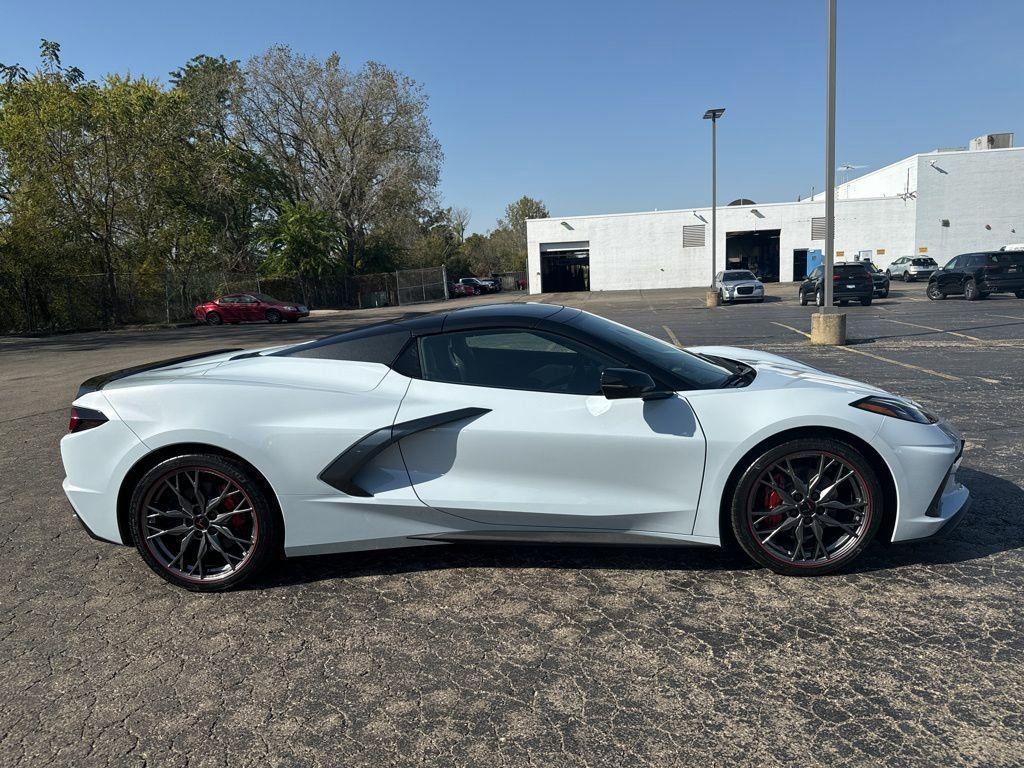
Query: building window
(693,236)
(818,228)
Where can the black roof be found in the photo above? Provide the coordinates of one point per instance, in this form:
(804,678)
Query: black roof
(517,314)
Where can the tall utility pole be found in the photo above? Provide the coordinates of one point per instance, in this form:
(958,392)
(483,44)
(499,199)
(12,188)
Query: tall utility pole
(830,158)
(713,115)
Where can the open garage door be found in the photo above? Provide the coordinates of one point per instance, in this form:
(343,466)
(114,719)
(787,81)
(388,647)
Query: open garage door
(757,251)
(565,267)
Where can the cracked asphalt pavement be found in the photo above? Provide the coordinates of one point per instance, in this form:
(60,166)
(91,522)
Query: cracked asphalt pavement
(519,655)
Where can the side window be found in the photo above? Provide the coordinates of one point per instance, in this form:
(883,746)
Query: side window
(245,300)
(816,274)
(952,263)
(228,299)
(514,359)
(978,260)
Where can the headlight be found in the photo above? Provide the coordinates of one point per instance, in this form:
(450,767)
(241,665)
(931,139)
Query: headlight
(897,409)
(291,309)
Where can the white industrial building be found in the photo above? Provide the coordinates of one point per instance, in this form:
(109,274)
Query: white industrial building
(938,204)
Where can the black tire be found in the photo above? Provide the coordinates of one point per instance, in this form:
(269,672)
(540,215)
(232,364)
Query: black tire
(751,493)
(721,298)
(866,302)
(971,292)
(933,292)
(273,316)
(888,274)
(803,298)
(819,298)
(907,278)
(214,318)
(261,525)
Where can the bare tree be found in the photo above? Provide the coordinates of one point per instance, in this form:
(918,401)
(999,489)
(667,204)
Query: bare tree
(357,145)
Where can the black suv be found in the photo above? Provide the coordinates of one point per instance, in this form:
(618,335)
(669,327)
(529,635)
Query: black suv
(976,275)
(850,282)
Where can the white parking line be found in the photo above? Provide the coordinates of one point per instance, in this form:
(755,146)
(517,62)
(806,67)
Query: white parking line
(672,336)
(937,330)
(940,374)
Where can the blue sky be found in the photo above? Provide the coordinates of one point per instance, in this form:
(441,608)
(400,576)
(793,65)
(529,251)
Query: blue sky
(595,107)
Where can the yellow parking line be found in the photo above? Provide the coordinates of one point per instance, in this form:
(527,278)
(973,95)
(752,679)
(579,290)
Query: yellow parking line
(672,336)
(854,350)
(937,330)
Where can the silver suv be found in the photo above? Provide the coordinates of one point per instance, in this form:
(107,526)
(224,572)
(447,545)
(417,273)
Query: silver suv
(910,268)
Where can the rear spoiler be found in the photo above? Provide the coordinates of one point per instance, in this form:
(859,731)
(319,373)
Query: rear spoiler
(96,383)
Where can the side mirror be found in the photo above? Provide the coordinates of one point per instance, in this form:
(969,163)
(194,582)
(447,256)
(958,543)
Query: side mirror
(621,383)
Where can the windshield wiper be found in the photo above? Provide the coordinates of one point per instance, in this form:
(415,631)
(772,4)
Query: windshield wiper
(741,378)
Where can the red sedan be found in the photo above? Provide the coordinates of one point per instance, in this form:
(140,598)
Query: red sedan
(253,307)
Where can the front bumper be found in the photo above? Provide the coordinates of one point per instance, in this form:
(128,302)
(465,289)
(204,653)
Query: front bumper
(734,294)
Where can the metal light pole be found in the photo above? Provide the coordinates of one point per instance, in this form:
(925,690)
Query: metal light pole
(713,115)
(827,325)
(830,158)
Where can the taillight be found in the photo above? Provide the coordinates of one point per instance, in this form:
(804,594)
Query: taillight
(84,418)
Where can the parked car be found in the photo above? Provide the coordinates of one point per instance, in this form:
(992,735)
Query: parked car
(494,282)
(910,268)
(479,285)
(976,275)
(457,289)
(851,281)
(738,285)
(494,410)
(880,280)
(248,307)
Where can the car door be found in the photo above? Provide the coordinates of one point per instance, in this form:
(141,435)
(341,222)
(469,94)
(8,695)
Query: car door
(951,278)
(249,308)
(545,449)
(228,308)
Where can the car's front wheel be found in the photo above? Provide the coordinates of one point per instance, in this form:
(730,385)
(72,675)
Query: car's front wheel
(806,507)
(214,318)
(819,298)
(934,293)
(203,522)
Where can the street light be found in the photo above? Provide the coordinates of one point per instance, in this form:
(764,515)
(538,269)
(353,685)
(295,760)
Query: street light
(828,326)
(713,115)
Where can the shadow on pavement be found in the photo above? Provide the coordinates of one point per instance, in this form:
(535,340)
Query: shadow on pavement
(994,524)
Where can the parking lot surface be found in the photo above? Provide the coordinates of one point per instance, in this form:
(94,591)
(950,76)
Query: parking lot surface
(547,656)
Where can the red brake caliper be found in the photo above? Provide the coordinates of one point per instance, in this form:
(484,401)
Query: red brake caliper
(771,501)
(236,520)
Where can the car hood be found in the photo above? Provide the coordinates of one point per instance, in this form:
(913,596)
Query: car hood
(777,372)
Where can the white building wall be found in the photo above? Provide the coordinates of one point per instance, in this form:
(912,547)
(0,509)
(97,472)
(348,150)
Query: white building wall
(645,250)
(890,181)
(981,194)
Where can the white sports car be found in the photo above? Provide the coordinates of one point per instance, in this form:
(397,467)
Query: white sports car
(513,423)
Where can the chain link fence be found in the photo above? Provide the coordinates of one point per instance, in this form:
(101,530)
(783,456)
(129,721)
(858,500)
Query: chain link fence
(91,301)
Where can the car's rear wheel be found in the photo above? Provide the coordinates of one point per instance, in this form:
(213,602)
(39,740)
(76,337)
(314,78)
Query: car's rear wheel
(214,318)
(971,292)
(203,522)
(273,316)
(806,507)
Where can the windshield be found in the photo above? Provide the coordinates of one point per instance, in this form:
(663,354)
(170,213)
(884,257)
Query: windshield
(696,372)
(738,274)
(923,262)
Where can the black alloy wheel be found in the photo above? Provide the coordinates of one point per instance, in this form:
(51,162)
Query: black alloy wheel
(273,316)
(934,293)
(807,506)
(203,522)
(214,318)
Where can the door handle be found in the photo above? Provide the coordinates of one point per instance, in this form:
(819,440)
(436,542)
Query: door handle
(341,472)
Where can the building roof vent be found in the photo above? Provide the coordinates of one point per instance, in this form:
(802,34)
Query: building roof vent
(992,141)
(742,201)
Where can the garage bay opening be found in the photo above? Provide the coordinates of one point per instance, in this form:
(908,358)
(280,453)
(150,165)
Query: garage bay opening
(565,267)
(757,251)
